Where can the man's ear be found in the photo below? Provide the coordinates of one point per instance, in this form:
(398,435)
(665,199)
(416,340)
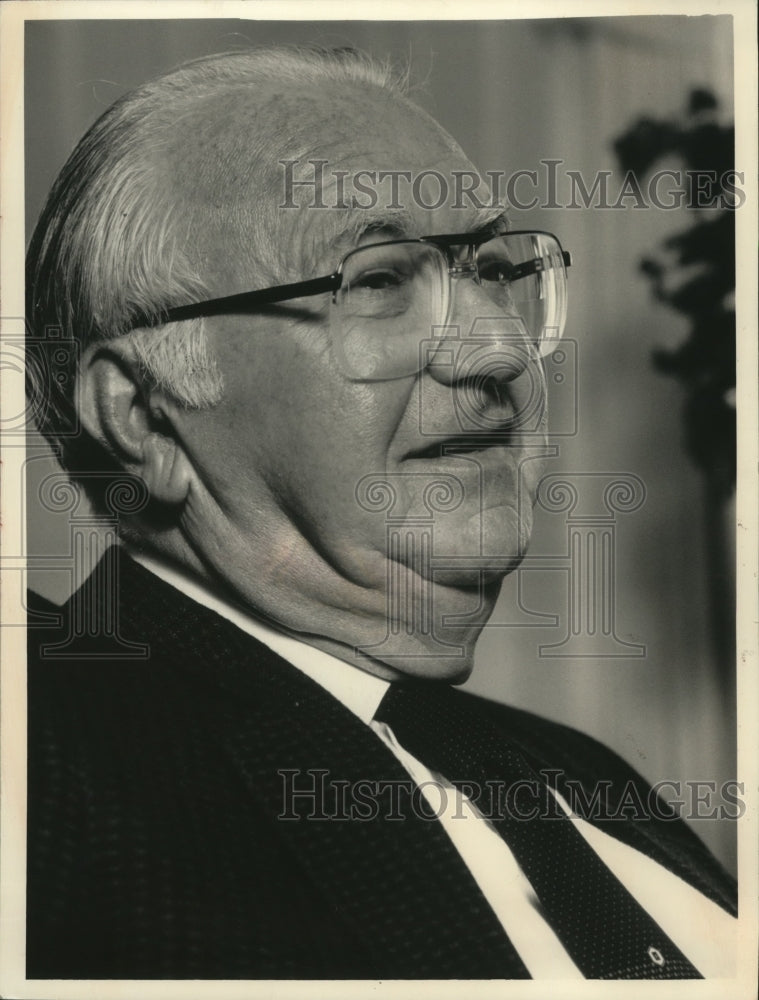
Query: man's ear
(132,421)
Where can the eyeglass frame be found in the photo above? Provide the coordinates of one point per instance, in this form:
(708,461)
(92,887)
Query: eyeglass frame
(243,302)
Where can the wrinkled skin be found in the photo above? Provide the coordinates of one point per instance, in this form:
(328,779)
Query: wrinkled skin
(271,479)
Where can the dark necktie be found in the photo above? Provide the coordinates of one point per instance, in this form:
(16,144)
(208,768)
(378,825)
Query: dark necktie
(605,931)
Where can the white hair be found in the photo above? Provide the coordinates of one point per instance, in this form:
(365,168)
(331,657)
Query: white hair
(108,249)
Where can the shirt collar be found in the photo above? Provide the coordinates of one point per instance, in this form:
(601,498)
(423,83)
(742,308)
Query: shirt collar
(358,690)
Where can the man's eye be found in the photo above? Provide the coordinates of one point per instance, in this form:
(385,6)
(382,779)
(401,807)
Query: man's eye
(501,271)
(379,280)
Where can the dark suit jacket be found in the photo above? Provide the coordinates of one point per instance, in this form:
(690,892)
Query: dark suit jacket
(157,734)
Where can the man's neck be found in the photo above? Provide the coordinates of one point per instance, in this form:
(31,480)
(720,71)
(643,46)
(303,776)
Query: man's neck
(401,627)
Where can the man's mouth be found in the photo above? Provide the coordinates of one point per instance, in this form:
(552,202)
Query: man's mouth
(462,445)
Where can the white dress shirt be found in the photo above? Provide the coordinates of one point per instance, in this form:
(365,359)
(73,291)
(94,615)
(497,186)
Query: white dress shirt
(702,930)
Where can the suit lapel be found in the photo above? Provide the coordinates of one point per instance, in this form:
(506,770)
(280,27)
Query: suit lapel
(404,895)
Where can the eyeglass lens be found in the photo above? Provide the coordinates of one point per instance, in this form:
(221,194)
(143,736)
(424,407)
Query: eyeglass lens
(394,295)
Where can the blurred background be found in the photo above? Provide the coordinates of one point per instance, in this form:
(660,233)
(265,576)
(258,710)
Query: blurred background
(592,95)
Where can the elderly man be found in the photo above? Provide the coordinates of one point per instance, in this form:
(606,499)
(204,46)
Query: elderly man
(334,404)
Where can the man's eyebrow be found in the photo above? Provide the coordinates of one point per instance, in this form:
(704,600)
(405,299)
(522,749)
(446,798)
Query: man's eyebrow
(490,223)
(391,223)
(399,224)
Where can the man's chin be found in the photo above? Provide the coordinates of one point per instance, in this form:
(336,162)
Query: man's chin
(446,670)
(481,550)
(483,580)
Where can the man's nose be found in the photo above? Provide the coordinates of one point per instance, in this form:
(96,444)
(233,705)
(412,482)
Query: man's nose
(488,356)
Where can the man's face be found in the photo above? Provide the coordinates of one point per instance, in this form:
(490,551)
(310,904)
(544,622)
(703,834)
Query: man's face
(343,489)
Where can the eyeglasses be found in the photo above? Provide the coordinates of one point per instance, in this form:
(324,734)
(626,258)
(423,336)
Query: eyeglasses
(390,300)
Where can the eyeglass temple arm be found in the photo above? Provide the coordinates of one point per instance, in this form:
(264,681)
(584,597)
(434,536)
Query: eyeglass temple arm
(537,265)
(229,304)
